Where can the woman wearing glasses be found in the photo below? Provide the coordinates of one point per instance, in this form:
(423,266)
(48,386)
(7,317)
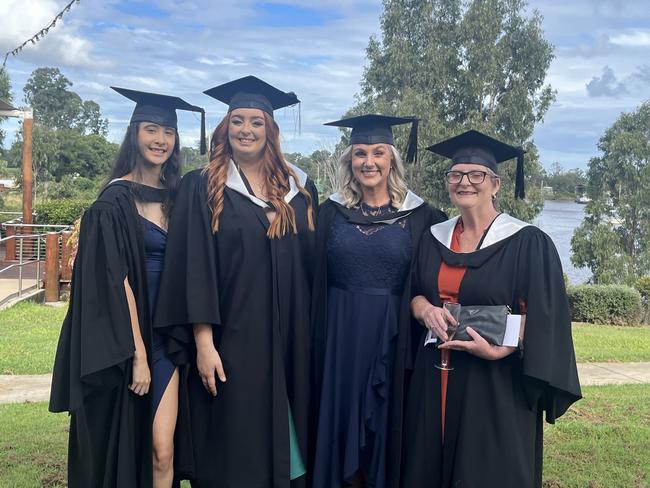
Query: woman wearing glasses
(480,424)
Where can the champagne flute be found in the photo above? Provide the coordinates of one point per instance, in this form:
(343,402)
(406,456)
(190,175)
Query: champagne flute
(445,354)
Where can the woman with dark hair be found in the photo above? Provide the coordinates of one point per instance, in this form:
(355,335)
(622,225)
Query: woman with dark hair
(112,372)
(236,292)
(477,420)
(367,234)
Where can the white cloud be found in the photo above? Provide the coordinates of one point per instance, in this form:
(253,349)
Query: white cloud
(639,38)
(61,46)
(202,43)
(221,61)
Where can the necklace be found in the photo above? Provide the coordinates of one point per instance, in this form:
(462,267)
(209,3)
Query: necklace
(368,211)
(261,186)
(259,183)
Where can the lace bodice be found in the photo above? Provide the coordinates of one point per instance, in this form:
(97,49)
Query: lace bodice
(375,256)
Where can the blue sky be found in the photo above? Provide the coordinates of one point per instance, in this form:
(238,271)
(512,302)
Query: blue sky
(316,49)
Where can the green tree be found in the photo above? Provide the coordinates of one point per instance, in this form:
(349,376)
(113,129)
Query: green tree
(69,136)
(89,156)
(55,106)
(563,181)
(459,65)
(321,166)
(57,153)
(47,92)
(191,158)
(90,119)
(614,239)
(5,94)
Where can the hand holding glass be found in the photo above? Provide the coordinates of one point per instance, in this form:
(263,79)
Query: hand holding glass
(454,311)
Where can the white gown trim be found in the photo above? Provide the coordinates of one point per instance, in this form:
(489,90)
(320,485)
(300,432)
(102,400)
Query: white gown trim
(235,182)
(410,203)
(503,227)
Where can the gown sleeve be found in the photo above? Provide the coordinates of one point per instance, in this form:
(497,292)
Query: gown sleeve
(96,336)
(311,188)
(549,366)
(189,292)
(418,262)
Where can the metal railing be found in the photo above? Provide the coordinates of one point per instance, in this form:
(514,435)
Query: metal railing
(21,264)
(16,219)
(25,247)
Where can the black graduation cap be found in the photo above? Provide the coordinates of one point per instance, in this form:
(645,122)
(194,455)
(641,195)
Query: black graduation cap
(160,109)
(477,148)
(378,129)
(251,92)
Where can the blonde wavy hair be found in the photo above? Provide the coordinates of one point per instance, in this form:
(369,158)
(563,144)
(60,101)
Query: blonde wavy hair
(350,189)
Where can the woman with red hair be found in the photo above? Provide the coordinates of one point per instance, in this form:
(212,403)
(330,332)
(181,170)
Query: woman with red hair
(238,270)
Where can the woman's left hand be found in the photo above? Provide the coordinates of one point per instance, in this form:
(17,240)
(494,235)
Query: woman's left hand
(479,347)
(141,377)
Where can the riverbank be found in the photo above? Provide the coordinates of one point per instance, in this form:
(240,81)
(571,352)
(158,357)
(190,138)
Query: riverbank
(559,219)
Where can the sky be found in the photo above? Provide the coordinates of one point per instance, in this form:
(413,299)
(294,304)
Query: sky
(315,49)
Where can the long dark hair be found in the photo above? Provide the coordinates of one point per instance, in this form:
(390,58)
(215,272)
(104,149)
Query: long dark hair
(129,160)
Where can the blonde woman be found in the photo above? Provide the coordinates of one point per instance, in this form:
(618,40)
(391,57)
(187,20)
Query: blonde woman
(367,234)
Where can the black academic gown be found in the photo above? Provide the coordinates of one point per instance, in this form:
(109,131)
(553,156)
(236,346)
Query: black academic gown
(256,293)
(493,429)
(420,217)
(110,428)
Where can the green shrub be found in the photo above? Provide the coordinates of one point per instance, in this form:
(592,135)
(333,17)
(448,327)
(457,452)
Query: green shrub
(605,304)
(643,285)
(73,187)
(60,211)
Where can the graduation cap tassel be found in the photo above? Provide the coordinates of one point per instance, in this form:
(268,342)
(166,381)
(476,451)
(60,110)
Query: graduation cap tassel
(519,181)
(204,148)
(412,147)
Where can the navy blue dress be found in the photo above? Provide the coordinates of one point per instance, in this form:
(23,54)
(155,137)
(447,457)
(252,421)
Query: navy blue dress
(155,240)
(367,266)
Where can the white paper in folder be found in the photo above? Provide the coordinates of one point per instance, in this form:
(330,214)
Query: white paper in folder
(510,338)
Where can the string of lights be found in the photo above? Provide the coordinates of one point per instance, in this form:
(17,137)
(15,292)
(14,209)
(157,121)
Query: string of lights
(40,34)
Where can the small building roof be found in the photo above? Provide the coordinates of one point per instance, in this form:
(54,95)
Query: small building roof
(6,106)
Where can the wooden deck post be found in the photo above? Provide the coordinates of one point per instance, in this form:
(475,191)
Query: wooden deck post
(66,254)
(52,267)
(10,254)
(28,179)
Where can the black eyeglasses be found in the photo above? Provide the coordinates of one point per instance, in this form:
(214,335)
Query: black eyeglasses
(474,177)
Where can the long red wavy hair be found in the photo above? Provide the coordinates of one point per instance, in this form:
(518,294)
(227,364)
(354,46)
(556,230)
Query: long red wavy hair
(276,173)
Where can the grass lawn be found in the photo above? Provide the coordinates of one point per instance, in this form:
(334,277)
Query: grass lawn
(604,343)
(602,442)
(28,336)
(33,446)
(29,333)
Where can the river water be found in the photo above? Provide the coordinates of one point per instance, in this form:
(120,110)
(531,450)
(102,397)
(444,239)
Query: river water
(559,219)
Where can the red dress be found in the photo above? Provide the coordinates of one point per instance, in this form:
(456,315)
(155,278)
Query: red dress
(449,279)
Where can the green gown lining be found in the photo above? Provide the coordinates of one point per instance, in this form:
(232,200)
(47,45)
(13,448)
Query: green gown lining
(297,466)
